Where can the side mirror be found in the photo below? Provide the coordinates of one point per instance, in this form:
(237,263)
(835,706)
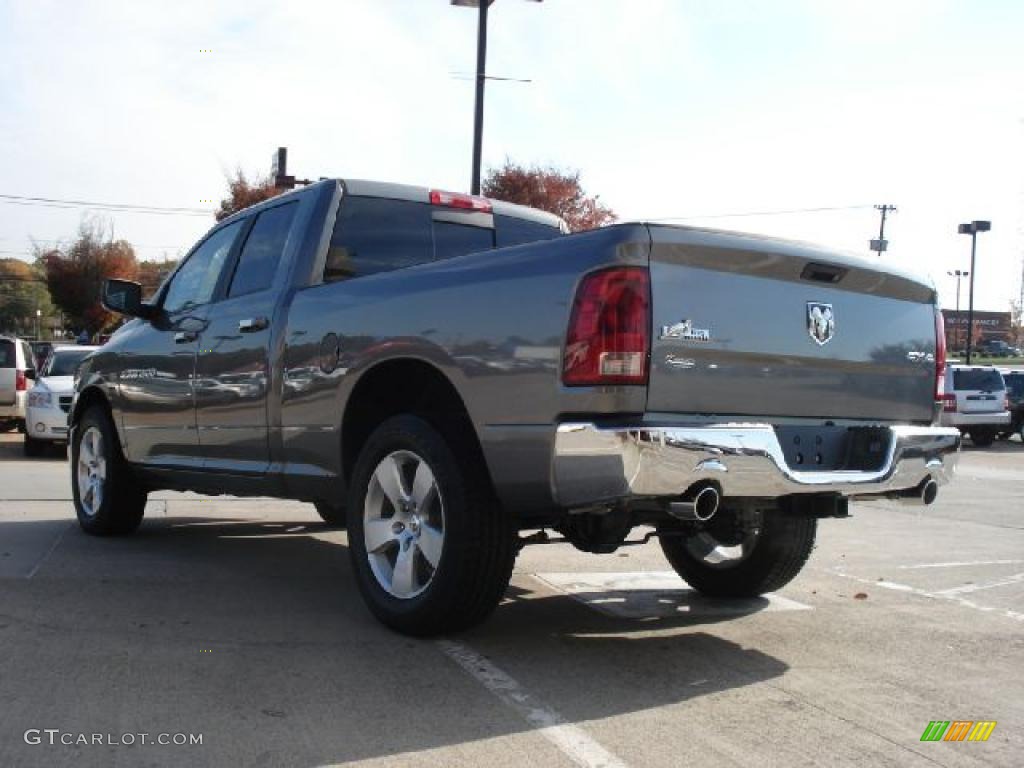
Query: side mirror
(125,298)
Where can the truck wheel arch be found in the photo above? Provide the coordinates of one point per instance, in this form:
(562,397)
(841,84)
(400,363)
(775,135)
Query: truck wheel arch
(89,397)
(405,385)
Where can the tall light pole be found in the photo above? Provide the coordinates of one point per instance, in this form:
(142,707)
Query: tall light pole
(481,78)
(972,229)
(958,273)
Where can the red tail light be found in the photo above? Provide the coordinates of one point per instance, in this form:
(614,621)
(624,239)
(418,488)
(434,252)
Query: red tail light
(456,200)
(949,402)
(20,381)
(940,360)
(609,338)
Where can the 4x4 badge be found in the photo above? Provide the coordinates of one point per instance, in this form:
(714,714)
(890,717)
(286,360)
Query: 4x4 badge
(821,322)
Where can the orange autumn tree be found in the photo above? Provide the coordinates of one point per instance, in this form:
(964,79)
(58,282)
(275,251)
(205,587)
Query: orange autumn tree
(242,193)
(558,191)
(75,274)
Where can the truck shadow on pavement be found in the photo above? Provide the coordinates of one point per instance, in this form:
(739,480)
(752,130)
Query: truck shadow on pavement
(254,634)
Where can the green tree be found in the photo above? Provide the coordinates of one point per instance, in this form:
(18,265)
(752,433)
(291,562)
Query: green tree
(558,191)
(22,292)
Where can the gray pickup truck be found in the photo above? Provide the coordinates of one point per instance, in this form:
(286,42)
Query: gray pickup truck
(451,378)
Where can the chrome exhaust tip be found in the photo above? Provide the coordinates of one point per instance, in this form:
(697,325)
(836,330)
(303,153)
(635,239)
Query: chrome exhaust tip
(921,496)
(929,492)
(698,507)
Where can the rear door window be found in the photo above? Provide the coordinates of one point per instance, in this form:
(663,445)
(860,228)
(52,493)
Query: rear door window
(261,254)
(375,234)
(986,380)
(8,358)
(194,284)
(514,231)
(451,240)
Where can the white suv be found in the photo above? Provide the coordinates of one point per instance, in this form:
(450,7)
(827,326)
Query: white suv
(17,369)
(974,401)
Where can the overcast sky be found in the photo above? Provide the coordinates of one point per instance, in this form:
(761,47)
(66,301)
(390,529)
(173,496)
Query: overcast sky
(670,108)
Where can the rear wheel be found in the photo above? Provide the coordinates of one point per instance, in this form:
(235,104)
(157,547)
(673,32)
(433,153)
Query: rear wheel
(727,558)
(108,498)
(983,437)
(332,514)
(431,548)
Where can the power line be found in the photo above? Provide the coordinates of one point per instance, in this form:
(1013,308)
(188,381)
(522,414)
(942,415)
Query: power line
(50,202)
(781,212)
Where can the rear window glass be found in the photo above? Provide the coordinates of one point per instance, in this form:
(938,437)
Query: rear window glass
(513,231)
(977,378)
(63,362)
(375,235)
(451,240)
(7,357)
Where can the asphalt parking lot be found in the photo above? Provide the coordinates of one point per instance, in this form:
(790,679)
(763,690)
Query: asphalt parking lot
(239,620)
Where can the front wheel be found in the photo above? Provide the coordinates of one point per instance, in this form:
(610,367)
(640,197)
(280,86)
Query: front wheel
(108,498)
(730,558)
(432,549)
(33,447)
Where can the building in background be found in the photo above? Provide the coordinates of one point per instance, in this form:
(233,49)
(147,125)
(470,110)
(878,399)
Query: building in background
(987,325)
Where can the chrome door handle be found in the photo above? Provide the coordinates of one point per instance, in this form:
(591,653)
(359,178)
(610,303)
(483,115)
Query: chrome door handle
(252,324)
(185,337)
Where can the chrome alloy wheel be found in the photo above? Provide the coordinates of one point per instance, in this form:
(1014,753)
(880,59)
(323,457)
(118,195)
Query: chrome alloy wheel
(91,471)
(403,524)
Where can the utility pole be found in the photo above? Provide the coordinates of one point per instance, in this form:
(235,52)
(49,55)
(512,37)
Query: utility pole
(881,244)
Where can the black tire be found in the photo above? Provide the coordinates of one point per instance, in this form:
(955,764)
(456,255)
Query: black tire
(479,539)
(983,438)
(332,514)
(33,447)
(780,550)
(21,427)
(122,498)
(7,426)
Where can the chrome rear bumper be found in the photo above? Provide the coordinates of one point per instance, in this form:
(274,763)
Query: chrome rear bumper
(593,464)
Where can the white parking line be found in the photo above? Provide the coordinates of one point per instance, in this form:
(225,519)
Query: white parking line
(570,739)
(968,588)
(954,597)
(46,555)
(961,564)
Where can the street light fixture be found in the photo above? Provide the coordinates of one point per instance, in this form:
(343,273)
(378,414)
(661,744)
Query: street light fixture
(972,229)
(481,77)
(958,273)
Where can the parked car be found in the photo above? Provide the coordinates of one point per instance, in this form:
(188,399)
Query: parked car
(444,373)
(49,401)
(17,369)
(1015,402)
(40,351)
(996,348)
(974,402)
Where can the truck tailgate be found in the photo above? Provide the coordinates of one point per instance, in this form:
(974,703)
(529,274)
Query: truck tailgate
(755,327)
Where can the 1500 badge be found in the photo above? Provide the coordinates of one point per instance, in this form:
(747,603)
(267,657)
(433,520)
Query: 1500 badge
(685,330)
